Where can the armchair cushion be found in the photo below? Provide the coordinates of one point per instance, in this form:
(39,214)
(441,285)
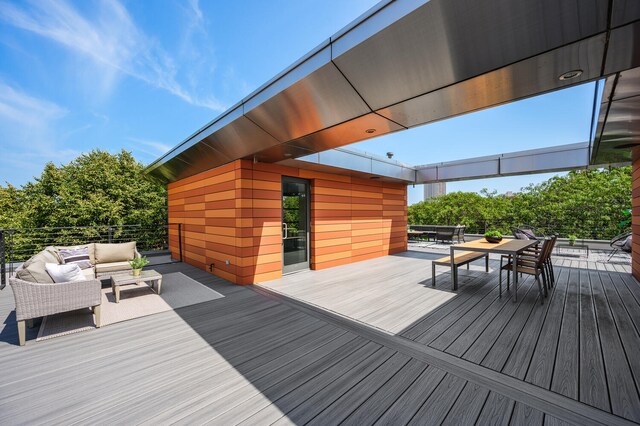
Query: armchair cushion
(34,270)
(90,248)
(79,256)
(109,253)
(112,267)
(65,273)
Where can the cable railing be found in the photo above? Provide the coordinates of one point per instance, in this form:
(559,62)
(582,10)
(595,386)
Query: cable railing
(19,244)
(603,230)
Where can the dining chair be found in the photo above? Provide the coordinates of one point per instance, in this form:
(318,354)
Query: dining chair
(532,263)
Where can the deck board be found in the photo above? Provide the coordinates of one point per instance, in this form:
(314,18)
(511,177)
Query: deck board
(496,411)
(593,382)
(565,373)
(624,394)
(577,344)
(380,401)
(249,358)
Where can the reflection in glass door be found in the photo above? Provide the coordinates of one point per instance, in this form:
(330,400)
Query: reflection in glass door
(295,224)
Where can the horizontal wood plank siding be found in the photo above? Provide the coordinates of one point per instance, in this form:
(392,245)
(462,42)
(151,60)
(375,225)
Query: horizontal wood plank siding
(233,213)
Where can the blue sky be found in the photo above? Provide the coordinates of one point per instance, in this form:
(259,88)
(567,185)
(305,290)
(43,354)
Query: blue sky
(142,76)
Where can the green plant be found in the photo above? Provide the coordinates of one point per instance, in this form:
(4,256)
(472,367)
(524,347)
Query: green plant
(626,222)
(139,262)
(572,238)
(494,234)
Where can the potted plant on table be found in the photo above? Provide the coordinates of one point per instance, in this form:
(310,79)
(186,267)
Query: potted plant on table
(572,240)
(493,236)
(137,264)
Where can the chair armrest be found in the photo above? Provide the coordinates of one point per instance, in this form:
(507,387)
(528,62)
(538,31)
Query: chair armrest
(35,300)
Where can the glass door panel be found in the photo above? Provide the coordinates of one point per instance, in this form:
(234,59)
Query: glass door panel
(295,224)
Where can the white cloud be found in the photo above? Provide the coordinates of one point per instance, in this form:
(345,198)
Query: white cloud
(158,147)
(27,110)
(112,41)
(30,138)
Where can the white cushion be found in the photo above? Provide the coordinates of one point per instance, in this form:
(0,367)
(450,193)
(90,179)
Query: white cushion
(65,273)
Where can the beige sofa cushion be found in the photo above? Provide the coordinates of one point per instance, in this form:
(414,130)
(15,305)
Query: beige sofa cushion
(90,246)
(34,270)
(109,253)
(90,273)
(101,268)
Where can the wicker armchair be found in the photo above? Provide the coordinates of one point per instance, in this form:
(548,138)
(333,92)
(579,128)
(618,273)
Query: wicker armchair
(34,300)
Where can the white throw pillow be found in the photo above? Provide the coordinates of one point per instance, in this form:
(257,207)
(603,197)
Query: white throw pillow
(65,273)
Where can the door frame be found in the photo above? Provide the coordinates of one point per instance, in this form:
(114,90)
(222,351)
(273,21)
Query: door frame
(301,266)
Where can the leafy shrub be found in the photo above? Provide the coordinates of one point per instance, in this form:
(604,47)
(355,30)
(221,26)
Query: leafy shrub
(494,234)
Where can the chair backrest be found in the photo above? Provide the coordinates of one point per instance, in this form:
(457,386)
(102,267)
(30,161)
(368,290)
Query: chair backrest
(545,252)
(552,244)
(619,241)
(527,232)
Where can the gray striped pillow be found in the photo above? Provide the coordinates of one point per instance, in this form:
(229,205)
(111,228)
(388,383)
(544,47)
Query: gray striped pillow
(79,256)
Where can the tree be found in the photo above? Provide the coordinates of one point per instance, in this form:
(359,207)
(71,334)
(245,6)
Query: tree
(11,207)
(587,203)
(95,189)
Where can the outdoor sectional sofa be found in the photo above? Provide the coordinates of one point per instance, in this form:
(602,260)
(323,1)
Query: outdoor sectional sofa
(37,295)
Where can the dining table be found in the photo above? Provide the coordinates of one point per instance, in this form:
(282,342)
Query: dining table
(510,247)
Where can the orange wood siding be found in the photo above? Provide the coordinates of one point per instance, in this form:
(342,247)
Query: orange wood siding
(234,213)
(635,205)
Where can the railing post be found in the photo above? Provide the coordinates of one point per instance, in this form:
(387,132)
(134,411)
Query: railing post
(3,267)
(109,234)
(180,240)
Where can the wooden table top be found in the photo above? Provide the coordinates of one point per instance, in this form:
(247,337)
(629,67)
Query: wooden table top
(145,275)
(504,246)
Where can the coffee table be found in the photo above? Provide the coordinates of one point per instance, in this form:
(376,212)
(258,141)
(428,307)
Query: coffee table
(128,280)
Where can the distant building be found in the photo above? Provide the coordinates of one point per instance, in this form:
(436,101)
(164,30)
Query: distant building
(434,189)
(509,194)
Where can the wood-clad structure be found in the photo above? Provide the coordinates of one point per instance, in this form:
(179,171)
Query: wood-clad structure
(232,219)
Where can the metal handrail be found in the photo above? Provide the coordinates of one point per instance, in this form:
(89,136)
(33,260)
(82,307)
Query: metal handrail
(19,244)
(592,230)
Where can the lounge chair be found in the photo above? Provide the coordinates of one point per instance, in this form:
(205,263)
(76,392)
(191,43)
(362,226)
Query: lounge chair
(527,232)
(619,243)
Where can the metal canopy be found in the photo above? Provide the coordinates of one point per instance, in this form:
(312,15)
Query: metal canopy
(405,63)
(367,166)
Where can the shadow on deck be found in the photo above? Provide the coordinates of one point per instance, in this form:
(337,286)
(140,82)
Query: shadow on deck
(360,344)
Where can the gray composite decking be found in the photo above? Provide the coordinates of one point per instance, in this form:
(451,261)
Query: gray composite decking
(257,357)
(583,343)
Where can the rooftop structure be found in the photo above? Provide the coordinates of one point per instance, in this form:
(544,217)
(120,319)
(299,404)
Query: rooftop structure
(400,65)
(407,63)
